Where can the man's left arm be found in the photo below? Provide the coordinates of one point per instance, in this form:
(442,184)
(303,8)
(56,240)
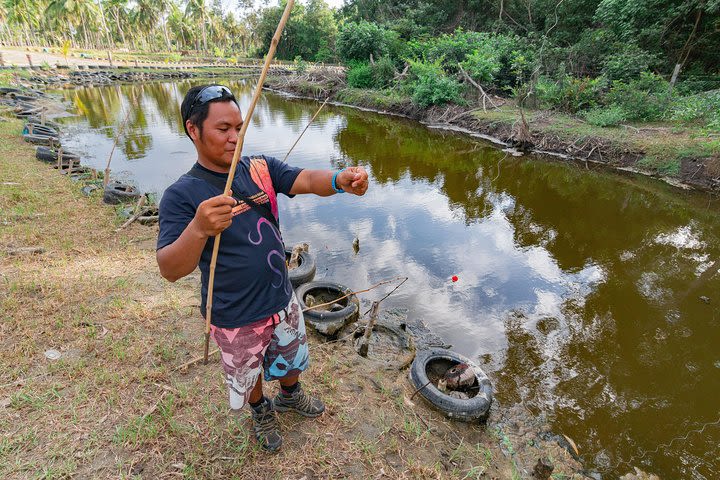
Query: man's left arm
(351,180)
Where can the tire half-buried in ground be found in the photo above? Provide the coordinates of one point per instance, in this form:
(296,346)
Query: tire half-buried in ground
(50,155)
(330,319)
(431,365)
(116,192)
(305,271)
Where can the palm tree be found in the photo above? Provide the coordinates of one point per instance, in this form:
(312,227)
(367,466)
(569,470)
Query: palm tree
(117,9)
(75,13)
(198,11)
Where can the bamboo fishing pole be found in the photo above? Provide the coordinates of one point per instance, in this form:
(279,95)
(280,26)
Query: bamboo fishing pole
(304,129)
(233,165)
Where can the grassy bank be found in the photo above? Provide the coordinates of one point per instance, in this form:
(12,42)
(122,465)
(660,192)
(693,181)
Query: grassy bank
(115,405)
(683,153)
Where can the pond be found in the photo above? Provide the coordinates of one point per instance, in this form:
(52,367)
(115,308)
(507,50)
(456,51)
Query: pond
(591,297)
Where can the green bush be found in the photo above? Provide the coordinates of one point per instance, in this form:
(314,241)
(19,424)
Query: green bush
(508,59)
(647,98)
(703,107)
(383,72)
(301,65)
(482,64)
(357,41)
(569,94)
(606,116)
(430,86)
(360,75)
(628,63)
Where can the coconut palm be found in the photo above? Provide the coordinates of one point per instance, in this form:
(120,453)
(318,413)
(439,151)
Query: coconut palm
(75,14)
(197,10)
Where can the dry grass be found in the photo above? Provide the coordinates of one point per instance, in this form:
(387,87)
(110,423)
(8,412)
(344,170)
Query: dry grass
(114,407)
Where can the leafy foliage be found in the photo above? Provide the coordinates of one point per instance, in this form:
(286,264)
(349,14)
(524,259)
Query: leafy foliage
(360,75)
(431,86)
(357,41)
(606,116)
(647,98)
(569,94)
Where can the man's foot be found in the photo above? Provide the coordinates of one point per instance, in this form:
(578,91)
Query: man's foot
(265,426)
(298,401)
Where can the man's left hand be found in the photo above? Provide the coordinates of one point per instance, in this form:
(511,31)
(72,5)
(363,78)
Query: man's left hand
(353,180)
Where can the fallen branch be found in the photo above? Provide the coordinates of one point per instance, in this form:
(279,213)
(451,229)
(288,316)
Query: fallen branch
(138,213)
(462,114)
(195,360)
(479,87)
(24,250)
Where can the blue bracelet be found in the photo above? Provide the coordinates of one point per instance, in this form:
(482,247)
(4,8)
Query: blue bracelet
(334,180)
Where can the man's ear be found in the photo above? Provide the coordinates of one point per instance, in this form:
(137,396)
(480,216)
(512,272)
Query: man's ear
(192,129)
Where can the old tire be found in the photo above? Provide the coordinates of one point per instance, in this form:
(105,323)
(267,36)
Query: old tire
(434,362)
(41,139)
(40,129)
(116,193)
(325,321)
(304,272)
(50,155)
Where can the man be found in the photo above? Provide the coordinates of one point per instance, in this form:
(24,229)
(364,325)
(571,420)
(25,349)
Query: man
(256,319)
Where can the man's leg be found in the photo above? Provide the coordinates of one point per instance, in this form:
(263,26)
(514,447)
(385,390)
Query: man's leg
(264,418)
(286,357)
(243,350)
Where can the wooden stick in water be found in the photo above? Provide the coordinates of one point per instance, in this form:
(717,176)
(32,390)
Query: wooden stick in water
(365,341)
(233,165)
(106,176)
(306,127)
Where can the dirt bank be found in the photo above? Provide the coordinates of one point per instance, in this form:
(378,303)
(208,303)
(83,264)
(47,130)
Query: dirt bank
(682,156)
(115,403)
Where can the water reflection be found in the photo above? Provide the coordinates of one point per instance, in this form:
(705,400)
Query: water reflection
(580,290)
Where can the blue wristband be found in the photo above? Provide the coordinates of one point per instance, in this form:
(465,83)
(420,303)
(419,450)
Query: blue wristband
(334,180)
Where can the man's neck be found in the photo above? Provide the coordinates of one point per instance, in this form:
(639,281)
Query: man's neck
(212,166)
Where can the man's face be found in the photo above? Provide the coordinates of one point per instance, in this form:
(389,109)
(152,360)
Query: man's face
(219,134)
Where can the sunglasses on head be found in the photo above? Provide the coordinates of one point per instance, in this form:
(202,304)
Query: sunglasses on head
(211,92)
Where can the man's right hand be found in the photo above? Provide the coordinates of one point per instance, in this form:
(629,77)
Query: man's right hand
(214,215)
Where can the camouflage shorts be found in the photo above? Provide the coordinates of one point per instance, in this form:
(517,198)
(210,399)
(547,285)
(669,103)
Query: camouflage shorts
(277,345)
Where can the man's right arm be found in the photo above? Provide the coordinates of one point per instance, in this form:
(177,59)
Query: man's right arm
(181,257)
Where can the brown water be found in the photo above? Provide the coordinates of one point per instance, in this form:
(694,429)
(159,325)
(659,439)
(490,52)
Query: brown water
(579,289)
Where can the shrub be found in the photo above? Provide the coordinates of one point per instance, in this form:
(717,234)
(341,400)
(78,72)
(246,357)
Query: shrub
(628,63)
(357,41)
(360,75)
(482,64)
(569,94)
(647,98)
(383,72)
(430,85)
(606,116)
(548,92)
(703,107)
(301,65)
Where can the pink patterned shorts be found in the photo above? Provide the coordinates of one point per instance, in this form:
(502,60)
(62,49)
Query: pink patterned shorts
(276,345)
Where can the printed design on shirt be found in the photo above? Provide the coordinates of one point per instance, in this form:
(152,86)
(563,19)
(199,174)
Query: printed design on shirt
(260,174)
(242,207)
(280,270)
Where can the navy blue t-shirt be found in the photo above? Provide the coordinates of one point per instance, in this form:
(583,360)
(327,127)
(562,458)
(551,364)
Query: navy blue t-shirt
(251,278)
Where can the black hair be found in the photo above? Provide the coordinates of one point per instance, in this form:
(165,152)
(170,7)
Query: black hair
(199,112)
